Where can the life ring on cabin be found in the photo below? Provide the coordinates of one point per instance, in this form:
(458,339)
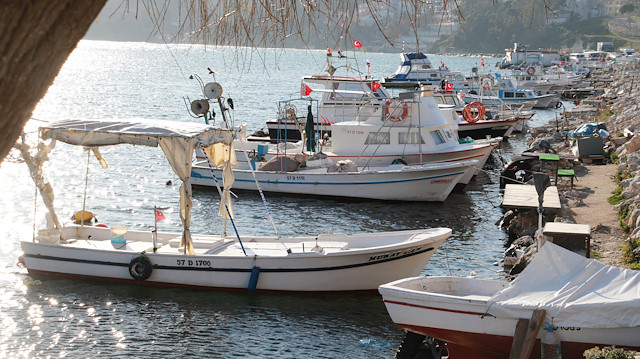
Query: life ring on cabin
(487,82)
(140,267)
(394,117)
(473,112)
(531,70)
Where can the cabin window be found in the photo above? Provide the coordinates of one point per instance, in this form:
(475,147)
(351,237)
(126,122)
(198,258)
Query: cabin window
(378,138)
(449,135)
(412,138)
(520,94)
(437,137)
(433,75)
(355,91)
(508,94)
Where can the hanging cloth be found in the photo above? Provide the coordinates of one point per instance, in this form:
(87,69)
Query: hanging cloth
(309,131)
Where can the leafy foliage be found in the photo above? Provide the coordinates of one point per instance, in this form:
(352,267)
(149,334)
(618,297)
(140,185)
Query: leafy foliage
(608,353)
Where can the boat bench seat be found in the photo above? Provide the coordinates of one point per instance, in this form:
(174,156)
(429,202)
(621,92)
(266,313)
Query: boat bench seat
(280,248)
(197,243)
(107,245)
(327,246)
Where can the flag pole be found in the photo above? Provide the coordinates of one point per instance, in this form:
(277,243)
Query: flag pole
(155,228)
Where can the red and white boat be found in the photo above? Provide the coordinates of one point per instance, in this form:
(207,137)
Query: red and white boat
(587,303)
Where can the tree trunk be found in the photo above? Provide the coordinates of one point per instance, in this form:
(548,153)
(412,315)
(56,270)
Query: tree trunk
(37,37)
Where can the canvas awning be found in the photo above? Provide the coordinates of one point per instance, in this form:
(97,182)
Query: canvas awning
(177,140)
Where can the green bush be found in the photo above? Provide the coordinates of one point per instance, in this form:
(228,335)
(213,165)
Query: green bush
(629,254)
(617,197)
(608,353)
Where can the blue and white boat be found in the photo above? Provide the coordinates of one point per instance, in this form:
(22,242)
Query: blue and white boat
(415,70)
(497,90)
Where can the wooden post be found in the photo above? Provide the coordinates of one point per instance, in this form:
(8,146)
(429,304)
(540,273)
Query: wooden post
(532,332)
(525,335)
(518,338)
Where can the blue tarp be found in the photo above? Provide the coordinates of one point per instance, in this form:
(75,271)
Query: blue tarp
(589,129)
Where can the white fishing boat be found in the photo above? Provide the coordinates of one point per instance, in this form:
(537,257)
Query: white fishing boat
(481,122)
(497,90)
(587,304)
(321,177)
(316,263)
(410,131)
(341,97)
(415,69)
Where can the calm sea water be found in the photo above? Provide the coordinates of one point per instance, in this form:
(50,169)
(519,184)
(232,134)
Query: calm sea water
(77,319)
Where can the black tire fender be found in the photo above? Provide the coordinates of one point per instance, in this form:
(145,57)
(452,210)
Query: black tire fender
(140,267)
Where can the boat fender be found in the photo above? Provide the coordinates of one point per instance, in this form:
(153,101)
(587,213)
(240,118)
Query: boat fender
(405,112)
(253,279)
(531,70)
(83,215)
(473,112)
(140,267)
(558,104)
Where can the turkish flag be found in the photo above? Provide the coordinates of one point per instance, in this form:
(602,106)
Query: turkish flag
(482,62)
(159,216)
(375,86)
(357,43)
(449,86)
(305,90)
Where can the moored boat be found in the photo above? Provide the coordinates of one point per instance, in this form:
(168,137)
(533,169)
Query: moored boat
(587,304)
(315,263)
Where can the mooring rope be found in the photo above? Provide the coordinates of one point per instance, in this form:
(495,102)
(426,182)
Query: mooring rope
(264,201)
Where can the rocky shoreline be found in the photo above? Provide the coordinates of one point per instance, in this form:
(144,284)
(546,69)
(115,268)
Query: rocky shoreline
(614,110)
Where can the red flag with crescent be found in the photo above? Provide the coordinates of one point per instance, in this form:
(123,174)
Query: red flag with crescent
(357,44)
(375,86)
(159,216)
(482,62)
(449,86)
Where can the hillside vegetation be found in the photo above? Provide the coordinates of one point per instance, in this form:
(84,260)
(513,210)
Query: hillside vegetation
(492,27)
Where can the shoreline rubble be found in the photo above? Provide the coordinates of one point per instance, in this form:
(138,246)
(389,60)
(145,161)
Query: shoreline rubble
(616,109)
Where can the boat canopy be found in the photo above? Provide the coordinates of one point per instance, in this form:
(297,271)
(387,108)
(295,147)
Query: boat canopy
(177,140)
(575,291)
(93,133)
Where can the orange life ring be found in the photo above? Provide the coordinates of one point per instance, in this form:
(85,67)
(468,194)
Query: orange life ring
(531,70)
(405,112)
(473,112)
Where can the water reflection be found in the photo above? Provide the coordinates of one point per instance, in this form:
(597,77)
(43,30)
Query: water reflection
(115,320)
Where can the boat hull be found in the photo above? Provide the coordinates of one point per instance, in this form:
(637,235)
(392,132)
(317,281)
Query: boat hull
(347,263)
(470,332)
(430,182)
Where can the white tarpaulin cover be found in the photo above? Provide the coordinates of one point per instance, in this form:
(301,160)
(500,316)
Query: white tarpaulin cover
(574,290)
